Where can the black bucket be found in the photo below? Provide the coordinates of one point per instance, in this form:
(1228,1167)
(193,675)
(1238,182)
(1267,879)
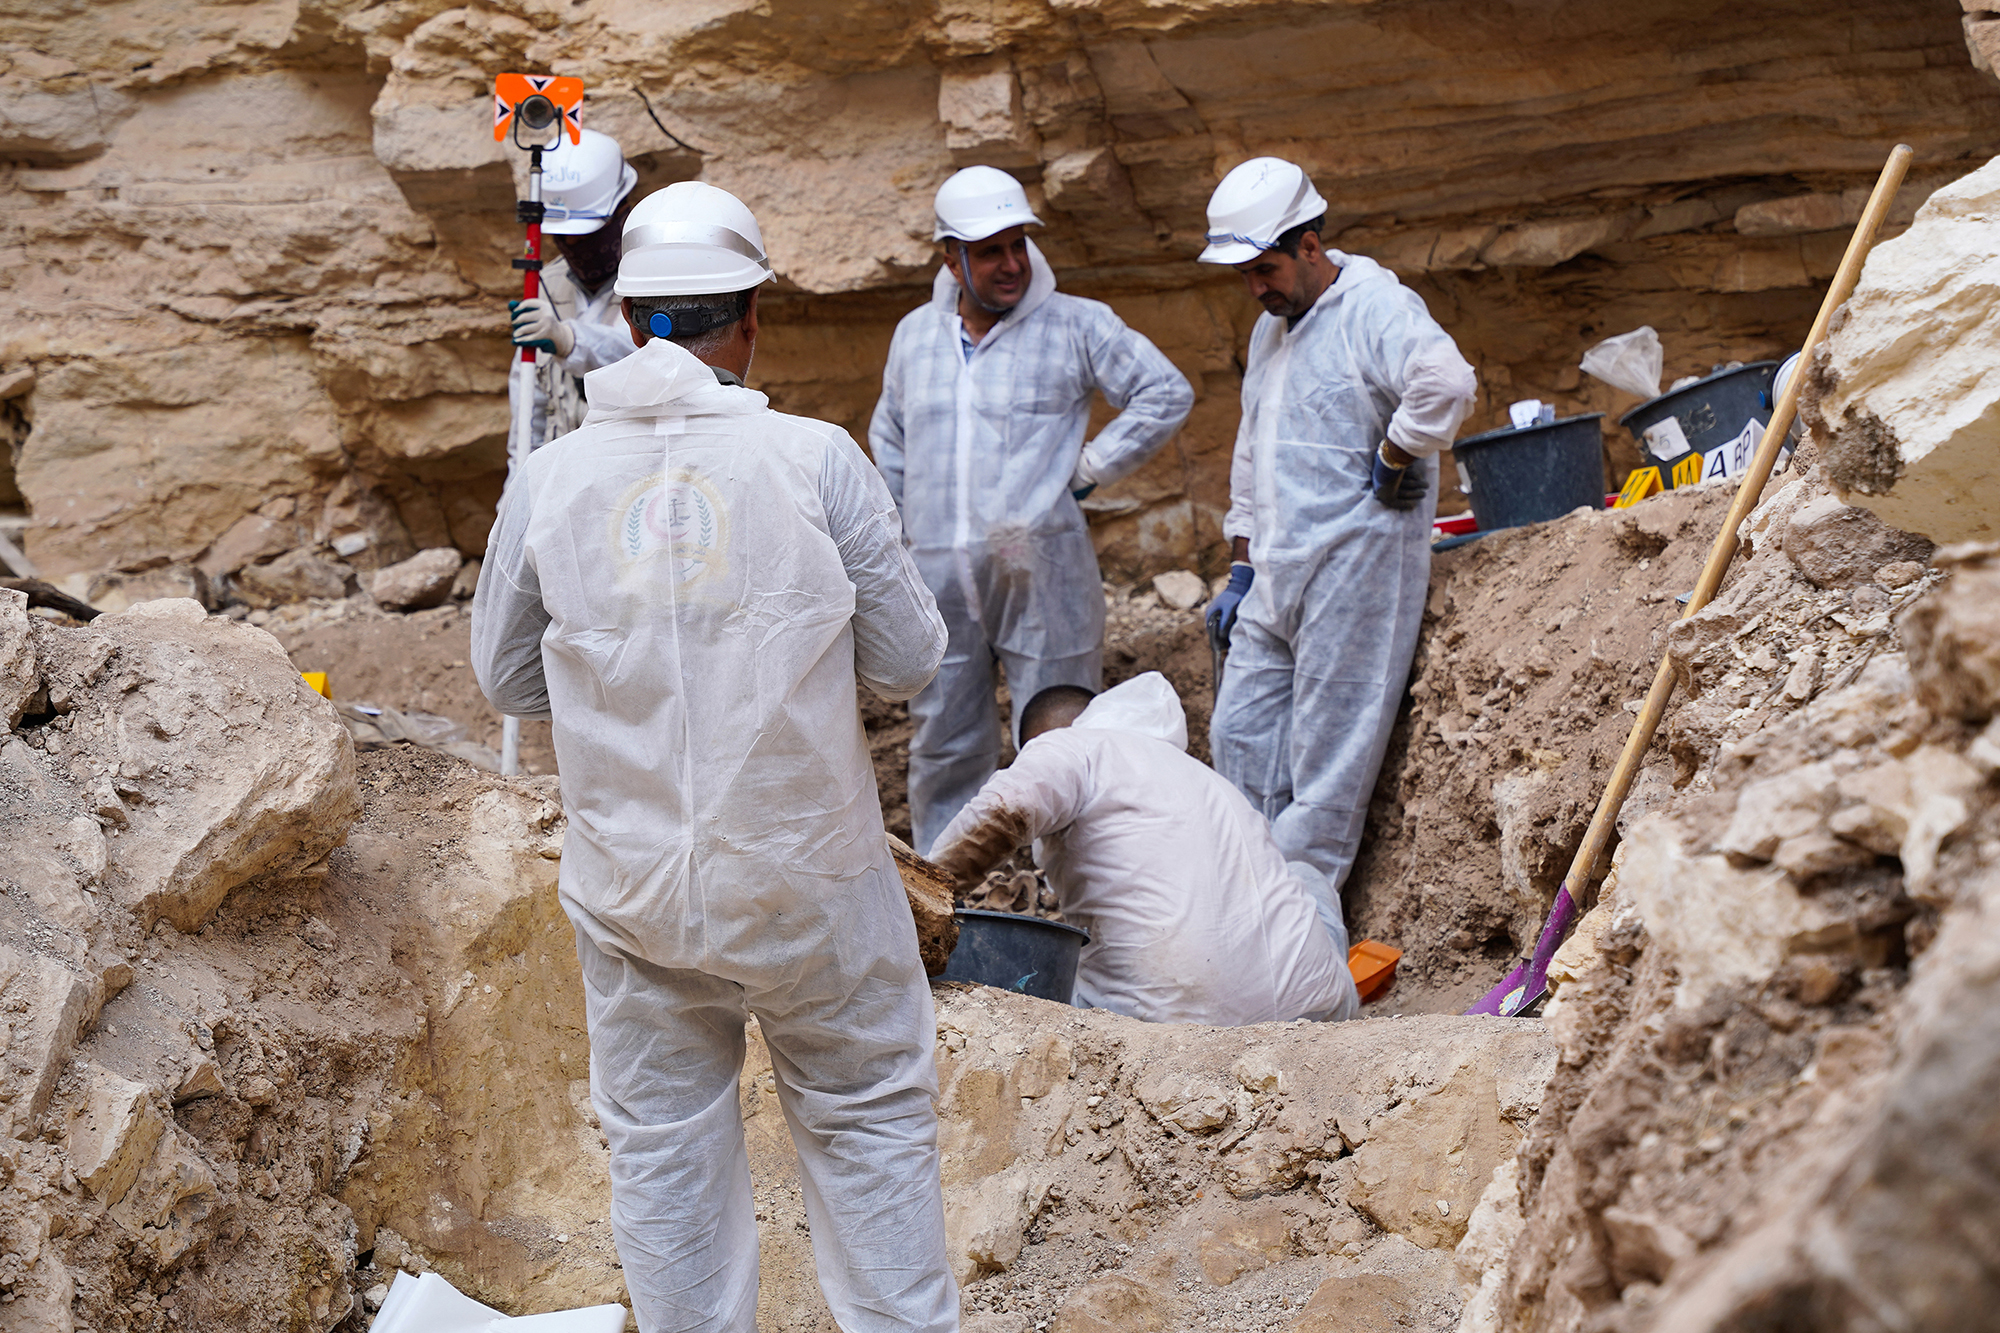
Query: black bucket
(1702,417)
(1010,951)
(1527,474)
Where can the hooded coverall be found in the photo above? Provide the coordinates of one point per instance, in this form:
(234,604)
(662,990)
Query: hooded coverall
(689,587)
(1193,915)
(1322,644)
(982,452)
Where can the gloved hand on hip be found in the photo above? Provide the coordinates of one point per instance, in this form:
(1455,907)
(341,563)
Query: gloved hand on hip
(1221,617)
(1397,487)
(537,325)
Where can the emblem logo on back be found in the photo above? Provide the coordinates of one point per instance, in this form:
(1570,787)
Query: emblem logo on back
(675,516)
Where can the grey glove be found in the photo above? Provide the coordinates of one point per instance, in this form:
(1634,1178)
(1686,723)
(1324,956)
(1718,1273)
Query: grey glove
(1397,487)
(537,325)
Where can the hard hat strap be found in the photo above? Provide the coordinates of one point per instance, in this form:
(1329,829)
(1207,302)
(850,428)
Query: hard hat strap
(965,267)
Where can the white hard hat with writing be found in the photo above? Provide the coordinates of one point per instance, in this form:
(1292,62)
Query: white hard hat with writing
(1255,204)
(582,183)
(691,239)
(979,202)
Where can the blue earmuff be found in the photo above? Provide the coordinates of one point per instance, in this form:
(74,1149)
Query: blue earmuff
(661,324)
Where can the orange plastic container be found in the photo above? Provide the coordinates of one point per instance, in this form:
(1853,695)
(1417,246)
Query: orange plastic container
(1374,967)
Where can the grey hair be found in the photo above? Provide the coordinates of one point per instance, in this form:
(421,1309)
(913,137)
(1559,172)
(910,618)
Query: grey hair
(710,318)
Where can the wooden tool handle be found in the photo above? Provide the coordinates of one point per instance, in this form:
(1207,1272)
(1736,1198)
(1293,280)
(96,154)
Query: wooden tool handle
(1747,495)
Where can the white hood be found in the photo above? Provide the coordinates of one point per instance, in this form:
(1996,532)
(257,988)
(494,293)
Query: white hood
(1145,704)
(662,375)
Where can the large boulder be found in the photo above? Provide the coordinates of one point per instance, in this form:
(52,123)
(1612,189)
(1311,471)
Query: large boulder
(1904,396)
(293,577)
(416,584)
(211,760)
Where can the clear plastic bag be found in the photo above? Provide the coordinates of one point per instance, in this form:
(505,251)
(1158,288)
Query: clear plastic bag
(1631,361)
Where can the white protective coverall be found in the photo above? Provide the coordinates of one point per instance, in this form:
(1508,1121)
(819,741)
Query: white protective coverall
(981,454)
(1193,914)
(602,337)
(689,587)
(1322,645)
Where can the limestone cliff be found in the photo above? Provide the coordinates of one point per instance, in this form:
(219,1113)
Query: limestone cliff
(257,251)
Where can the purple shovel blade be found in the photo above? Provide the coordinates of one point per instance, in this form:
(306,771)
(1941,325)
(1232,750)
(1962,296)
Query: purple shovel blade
(1526,983)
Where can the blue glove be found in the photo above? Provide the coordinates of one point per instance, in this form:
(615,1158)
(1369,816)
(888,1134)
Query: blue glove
(1080,492)
(1221,616)
(1397,487)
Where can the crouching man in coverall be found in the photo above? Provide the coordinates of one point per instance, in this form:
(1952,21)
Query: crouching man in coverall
(688,587)
(1350,391)
(979,433)
(1194,916)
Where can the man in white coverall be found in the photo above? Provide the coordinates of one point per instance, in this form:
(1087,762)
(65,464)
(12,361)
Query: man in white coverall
(1193,915)
(586,193)
(1350,391)
(979,433)
(688,587)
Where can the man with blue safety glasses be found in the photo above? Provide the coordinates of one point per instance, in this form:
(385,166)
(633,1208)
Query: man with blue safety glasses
(1349,392)
(587,189)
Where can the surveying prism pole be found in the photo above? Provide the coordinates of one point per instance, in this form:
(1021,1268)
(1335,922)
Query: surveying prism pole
(536,103)
(521,394)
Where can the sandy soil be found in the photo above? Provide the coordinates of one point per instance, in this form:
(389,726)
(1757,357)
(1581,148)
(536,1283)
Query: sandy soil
(1538,641)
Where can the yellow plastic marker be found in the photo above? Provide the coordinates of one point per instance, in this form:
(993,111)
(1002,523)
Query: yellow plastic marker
(316,679)
(1641,484)
(1688,471)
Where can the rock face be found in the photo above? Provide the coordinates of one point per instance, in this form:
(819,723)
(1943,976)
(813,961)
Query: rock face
(1774,1020)
(262,260)
(1838,545)
(1905,398)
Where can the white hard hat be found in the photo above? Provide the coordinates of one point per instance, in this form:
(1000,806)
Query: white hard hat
(979,202)
(691,239)
(582,183)
(1256,203)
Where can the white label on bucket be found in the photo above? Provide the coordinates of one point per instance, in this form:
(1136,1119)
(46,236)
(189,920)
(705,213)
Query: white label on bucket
(1733,459)
(1744,447)
(1666,439)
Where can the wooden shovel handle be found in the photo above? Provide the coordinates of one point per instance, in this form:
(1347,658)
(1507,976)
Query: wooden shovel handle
(1747,495)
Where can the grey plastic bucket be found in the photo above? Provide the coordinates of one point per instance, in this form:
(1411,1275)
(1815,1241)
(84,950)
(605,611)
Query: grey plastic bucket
(1703,417)
(1528,474)
(1011,951)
